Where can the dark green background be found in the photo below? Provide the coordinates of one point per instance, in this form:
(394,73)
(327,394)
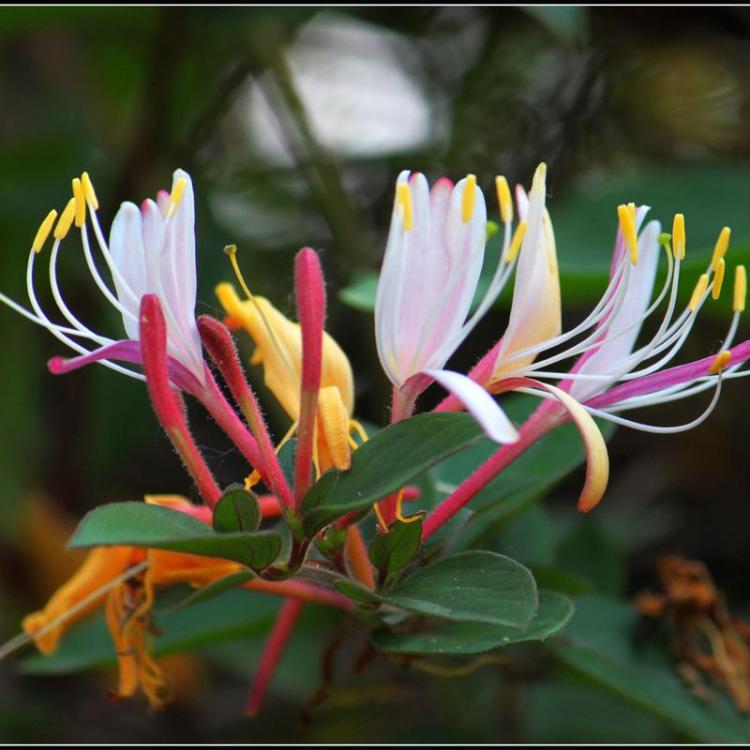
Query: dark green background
(650,105)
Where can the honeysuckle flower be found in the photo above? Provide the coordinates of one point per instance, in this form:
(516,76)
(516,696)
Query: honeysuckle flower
(278,347)
(431,267)
(151,250)
(124,580)
(610,373)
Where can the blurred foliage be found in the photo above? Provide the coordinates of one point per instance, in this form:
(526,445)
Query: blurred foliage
(294,122)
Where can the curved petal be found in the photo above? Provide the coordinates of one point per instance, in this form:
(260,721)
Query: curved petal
(624,328)
(535,313)
(129,256)
(478,403)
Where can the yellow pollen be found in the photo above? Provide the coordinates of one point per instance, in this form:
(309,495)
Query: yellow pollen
(88,191)
(403,199)
(503,198)
(43,232)
(515,243)
(678,237)
(740,289)
(540,174)
(178,190)
(698,292)
(721,361)
(80,202)
(721,246)
(718,279)
(66,220)
(469,197)
(627,226)
(633,214)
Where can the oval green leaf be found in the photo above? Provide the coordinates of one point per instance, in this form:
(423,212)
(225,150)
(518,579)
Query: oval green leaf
(474,586)
(385,463)
(465,638)
(237,510)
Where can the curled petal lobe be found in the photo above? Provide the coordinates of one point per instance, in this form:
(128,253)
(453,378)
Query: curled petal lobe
(478,403)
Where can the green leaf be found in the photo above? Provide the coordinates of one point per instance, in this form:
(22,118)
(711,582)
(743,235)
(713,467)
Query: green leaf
(390,552)
(213,589)
(472,586)
(357,593)
(143,525)
(463,638)
(360,294)
(237,510)
(555,579)
(600,647)
(385,463)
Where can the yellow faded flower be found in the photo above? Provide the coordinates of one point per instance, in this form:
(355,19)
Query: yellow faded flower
(278,343)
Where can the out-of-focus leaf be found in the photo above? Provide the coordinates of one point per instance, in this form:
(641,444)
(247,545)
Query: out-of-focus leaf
(143,525)
(460,638)
(214,589)
(360,294)
(385,463)
(600,647)
(565,21)
(474,586)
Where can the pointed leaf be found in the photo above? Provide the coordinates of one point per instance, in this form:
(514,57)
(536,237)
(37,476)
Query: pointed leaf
(390,552)
(385,463)
(142,525)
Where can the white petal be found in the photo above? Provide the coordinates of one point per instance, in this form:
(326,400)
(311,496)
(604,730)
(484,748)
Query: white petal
(128,255)
(478,403)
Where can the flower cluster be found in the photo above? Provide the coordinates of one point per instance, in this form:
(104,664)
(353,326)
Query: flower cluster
(426,306)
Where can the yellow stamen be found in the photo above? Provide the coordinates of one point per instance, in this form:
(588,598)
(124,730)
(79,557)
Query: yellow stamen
(88,191)
(627,226)
(678,237)
(403,199)
(469,197)
(721,361)
(381,521)
(231,251)
(539,175)
(178,190)
(80,202)
(633,214)
(43,232)
(718,279)
(740,289)
(399,511)
(698,292)
(515,243)
(66,220)
(720,249)
(503,198)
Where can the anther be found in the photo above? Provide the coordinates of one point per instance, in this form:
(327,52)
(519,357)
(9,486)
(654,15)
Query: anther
(720,248)
(88,191)
(515,244)
(504,200)
(80,202)
(698,292)
(627,226)
(678,237)
(718,279)
(43,232)
(403,198)
(66,220)
(721,361)
(469,197)
(740,289)
(178,190)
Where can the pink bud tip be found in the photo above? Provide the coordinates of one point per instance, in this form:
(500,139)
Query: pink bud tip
(56,365)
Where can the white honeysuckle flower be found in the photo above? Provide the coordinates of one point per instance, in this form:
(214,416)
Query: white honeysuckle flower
(150,250)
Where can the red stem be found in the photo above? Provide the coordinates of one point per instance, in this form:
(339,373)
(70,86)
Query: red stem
(309,288)
(272,651)
(538,424)
(168,408)
(221,347)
